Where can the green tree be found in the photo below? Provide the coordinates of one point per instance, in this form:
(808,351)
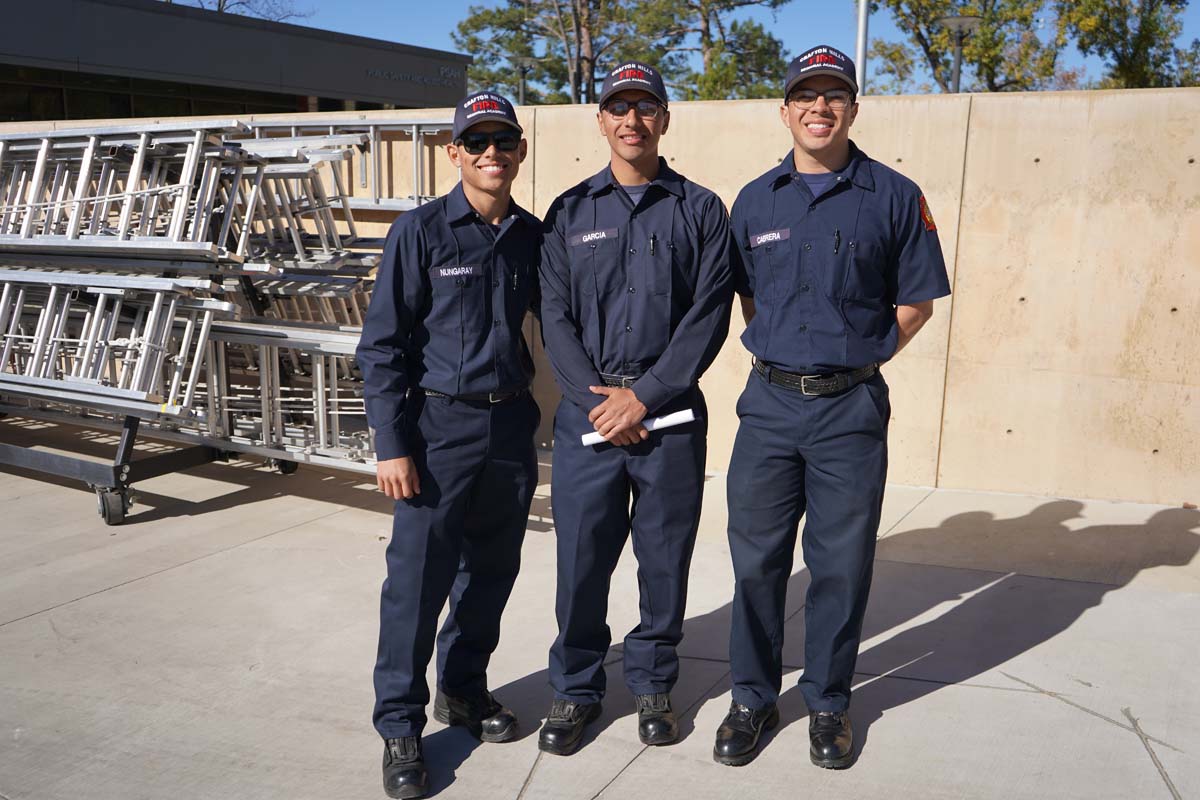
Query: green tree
(1005,53)
(1135,38)
(569,38)
(747,63)
(1187,65)
(574,42)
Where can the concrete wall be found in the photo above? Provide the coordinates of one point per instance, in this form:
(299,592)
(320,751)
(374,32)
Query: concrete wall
(1066,362)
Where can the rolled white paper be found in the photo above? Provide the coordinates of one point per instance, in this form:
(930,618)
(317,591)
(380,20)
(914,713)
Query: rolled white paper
(654,424)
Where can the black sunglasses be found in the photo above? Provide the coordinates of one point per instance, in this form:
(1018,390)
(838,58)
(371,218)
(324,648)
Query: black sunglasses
(647,109)
(837,99)
(477,142)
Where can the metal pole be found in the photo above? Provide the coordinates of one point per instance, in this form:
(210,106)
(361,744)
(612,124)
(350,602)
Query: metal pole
(958,47)
(860,48)
(521,87)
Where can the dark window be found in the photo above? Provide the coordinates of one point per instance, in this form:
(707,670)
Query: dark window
(46,102)
(27,75)
(97,105)
(218,107)
(153,106)
(14,104)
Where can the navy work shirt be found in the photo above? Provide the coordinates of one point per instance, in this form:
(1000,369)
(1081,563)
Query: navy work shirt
(826,274)
(450,296)
(638,291)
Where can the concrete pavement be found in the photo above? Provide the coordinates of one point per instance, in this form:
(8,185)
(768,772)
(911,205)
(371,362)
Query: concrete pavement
(220,645)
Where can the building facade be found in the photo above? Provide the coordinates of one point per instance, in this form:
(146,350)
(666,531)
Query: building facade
(84,59)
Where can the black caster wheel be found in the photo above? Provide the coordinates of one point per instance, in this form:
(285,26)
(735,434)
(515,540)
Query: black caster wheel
(282,466)
(112,505)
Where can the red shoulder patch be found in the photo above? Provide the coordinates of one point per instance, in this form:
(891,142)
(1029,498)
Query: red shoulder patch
(927,216)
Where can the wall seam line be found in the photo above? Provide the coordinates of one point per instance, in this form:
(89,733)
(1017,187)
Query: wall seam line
(962,193)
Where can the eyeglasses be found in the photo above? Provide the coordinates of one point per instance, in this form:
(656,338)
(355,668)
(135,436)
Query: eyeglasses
(477,142)
(646,109)
(836,99)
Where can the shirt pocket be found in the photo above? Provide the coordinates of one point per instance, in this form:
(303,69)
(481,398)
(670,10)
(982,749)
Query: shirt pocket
(771,253)
(517,283)
(595,258)
(456,296)
(865,275)
(666,262)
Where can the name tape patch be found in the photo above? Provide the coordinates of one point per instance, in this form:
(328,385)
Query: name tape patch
(457,270)
(591,237)
(769,236)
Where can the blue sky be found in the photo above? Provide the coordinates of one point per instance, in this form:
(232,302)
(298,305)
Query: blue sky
(428,23)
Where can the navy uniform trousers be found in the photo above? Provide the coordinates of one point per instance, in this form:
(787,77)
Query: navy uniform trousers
(460,538)
(592,490)
(824,457)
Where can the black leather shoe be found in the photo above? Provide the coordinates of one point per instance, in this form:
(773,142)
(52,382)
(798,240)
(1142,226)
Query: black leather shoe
(480,714)
(563,731)
(737,738)
(404,772)
(656,721)
(831,742)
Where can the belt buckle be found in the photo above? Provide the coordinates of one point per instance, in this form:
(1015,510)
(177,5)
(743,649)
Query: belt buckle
(495,397)
(804,379)
(627,382)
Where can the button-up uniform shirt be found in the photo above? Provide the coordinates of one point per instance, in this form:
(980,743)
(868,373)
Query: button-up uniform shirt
(446,311)
(826,273)
(640,292)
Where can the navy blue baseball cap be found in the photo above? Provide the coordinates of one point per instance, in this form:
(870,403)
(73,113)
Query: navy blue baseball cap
(634,75)
(483,107)
(821,60)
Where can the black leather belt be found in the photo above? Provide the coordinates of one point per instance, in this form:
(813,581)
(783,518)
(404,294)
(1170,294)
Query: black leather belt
(621,381)
(479,399)
(815,385)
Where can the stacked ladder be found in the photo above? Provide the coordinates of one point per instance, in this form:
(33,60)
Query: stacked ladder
(206,282)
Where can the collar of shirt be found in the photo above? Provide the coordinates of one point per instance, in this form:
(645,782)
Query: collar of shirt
(858,171)
(459,208)
(667,178)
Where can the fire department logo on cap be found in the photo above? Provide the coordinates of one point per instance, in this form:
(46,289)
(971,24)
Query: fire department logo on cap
(823,57)
(821,60)
(483,106)
(485,103)
(634,75)
(631,73)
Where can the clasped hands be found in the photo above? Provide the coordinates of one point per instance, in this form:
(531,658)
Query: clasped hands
(619,418)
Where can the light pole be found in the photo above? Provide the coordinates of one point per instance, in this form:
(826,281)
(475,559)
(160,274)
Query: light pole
(524,67)
(860,45)
(960,27)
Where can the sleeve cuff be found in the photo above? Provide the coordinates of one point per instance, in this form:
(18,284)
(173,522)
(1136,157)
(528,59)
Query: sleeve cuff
(652,392)
(389,444)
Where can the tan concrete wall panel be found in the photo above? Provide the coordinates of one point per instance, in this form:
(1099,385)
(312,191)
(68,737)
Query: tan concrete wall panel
(1078,307)
(1016,429)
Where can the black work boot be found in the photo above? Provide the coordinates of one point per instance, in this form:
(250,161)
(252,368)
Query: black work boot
(479,713)
(404,772)
(831,741)
(656,721)
(563,731)
(737,738)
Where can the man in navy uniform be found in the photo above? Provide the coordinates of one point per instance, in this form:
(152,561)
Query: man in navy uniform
(837,265)
(636,292)
(446,373)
